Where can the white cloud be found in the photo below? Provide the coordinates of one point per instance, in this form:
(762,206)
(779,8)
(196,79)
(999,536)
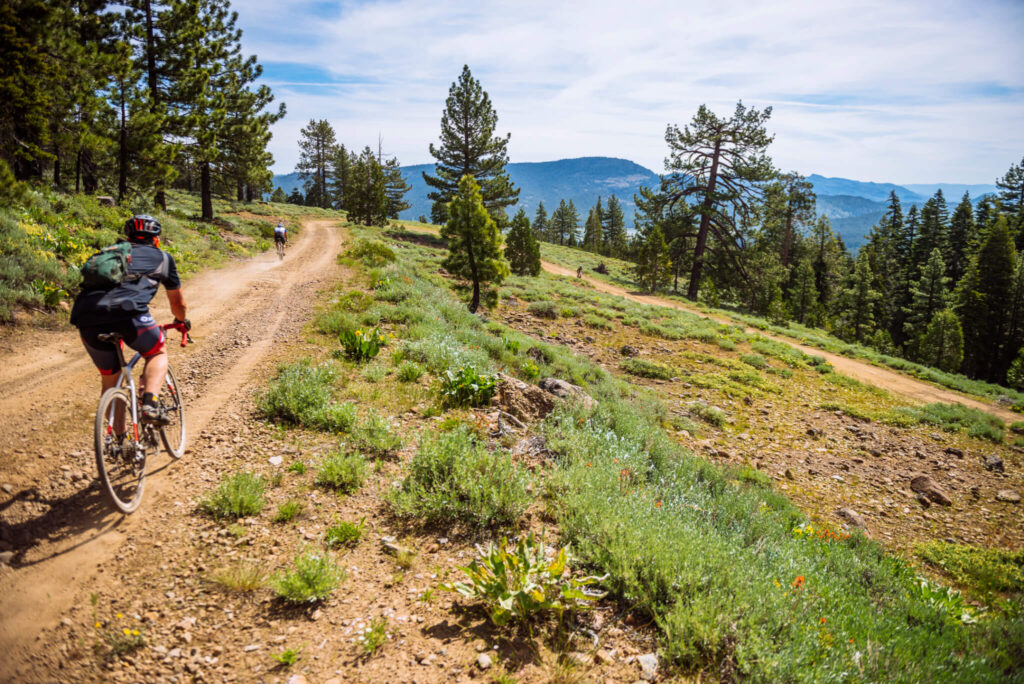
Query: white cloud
(916,91)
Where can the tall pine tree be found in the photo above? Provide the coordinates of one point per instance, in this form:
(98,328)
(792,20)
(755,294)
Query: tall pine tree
(522,249)
(983,305)
(316,156)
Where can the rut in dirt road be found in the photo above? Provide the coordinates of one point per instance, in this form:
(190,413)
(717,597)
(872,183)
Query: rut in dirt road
(55,520)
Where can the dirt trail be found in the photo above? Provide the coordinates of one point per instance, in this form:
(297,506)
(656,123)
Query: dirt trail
(52,517)
(894,382)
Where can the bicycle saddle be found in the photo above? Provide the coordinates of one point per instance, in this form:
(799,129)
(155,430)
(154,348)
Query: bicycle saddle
(110,337)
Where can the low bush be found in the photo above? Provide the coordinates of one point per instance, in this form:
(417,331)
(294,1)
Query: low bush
(454,478)
(288,511)
(376,434)
(543,309)
(237,496)
(709,414)
(523,582)
(410,371)
(599,322)
(301,394)
(344,534)
(755,360)
(372,253)
(648,369)
(342,472)
(981,570)
(313,577)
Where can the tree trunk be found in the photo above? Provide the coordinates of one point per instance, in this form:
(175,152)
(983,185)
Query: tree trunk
(89,181)
(787,239)
(78,171)
(250,193)
(207,198)
(56,169)
(122,155)
(705,226)
(239,191)
(473,305)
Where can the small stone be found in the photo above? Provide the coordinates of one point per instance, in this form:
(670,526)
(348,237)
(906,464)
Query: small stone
(1008,495)
(648,666)
(316,615)
(276,461)
(923,500)
(995,464)
(924,484)
(852,517)
(186,623)
(66,622)
(628,350)
(6,557)
(252,647)
(174,653)
(602,657)
(297,679)
(8,489)
(483,661)
(789,474)
(953,451)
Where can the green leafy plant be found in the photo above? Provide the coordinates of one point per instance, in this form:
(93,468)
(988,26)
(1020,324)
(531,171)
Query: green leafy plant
(288,511)
(360,345)
(313,577)
(410,371)
(301,394)
(373,636)
(467,387)
(287,657)
(238,495)
(297,467)
(648,369)
(344,534)
(342,472)
(376,434)
(518,583)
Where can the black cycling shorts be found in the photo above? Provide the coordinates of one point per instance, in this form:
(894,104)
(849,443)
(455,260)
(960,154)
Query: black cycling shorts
(141,333)
(279,238)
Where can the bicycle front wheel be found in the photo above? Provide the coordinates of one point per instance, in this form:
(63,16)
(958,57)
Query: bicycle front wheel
(120,458)
(173,404)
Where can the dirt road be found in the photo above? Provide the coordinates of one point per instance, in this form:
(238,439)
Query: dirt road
(889,380)
(52,516)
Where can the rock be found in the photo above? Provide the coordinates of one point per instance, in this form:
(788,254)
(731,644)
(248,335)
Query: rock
(527,403)
(8,489)
(648,666)
(924,484)
(953,451)
(297,679)
(6,557)
(276,461)
(602,657)
(1008,495)
(815,432)
(252,647)
(186,623)
(567,390)
(853,518)
(923,500)
(995,464)
(629,350)
(105,201)
(789,474)
(536,353)
(483,661)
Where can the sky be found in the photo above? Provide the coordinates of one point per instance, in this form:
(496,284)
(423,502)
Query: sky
(890,91)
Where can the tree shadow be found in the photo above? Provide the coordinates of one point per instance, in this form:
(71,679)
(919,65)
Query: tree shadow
(422,239)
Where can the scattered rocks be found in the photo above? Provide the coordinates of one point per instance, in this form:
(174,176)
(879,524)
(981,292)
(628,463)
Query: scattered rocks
(925,485)
(483,661)
(994,463)
(853,518)
(629,350)
(789,474)
(648,666)
(567,390)
(1008,495)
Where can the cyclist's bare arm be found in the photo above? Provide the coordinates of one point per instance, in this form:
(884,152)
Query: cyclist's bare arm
(177,301)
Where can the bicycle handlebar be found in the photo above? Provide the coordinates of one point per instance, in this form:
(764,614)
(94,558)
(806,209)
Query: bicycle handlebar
(180,327)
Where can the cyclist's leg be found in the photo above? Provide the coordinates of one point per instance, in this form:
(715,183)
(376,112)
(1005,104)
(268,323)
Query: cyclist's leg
(104,357)
(149,340)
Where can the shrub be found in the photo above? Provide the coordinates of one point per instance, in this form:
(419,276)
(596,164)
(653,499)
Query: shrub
(543,309)
(237,496)
(709,414)
(454,478)
(755,360)
(1017,427)
(376,434)
(242,577)
(982,569)
(301,395)
(374,635)
(342,472)
(372,253)
(344,534)
(648,369)
(375,373)
(313,577)
(288,511)
(334,322)
(410,371)
(519,583)
(467,387)
(359,345)
(598,322)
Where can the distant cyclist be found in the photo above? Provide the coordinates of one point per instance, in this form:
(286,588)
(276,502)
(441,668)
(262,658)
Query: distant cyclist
(280,235)
(124,309)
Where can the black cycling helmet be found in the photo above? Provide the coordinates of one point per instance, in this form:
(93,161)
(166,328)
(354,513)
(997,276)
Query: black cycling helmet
(142,226)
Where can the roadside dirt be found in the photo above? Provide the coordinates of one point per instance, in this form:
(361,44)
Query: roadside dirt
(52,516)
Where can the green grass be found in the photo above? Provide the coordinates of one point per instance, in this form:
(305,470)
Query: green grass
(377,435)
(288,511)
(313,577)
(648,369)
(454,478)
(237,496)
(980,570)
(302,394)
(755,360)
(409,371)
(341,472)
(344,534)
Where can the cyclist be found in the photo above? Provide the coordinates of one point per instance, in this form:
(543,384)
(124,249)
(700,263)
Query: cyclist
(124,309)
(280,235)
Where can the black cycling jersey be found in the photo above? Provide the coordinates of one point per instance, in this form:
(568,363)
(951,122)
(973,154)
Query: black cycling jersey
(149,267)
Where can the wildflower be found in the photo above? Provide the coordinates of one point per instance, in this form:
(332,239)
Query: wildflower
(778,584)
(135,632)
(98,625)
(657,504)
(822,620)
(589,464)
(851,641)
(126,631)
(119,616)
(798,582)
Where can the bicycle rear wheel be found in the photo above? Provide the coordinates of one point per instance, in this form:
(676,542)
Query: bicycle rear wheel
(121,461)
(173,404)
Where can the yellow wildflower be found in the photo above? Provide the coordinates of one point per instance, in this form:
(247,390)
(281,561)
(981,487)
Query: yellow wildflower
(126,631)
(119,616)
(135,632)
(98,625)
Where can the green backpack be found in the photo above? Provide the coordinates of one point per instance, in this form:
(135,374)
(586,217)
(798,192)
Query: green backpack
(107,268)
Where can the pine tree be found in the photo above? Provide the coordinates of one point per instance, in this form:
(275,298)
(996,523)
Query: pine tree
(278,195)
(593,240)
(930,293)
(857,303)
(541,227)
(961,235)
(339,173)
(565,223)
(475,245)
(789,205)
(439,213)
(803,295)
(653,269)
(367,195)
(296,197)
(317,147)
(1011,200)
(982,304)
(719,165)
(522,249)
(827,256)
(615,238)
(933,231)
(395,189)
(469,147)
(942,345)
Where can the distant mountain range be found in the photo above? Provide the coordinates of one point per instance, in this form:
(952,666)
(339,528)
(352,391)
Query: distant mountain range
(852,206)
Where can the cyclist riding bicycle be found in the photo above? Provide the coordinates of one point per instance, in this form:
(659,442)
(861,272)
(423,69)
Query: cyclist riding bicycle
(124,309)
(280,235)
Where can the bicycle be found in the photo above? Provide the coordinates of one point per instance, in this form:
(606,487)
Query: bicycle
(280,249)
(121,453)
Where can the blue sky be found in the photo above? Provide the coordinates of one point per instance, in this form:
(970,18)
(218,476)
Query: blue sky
(882,90)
